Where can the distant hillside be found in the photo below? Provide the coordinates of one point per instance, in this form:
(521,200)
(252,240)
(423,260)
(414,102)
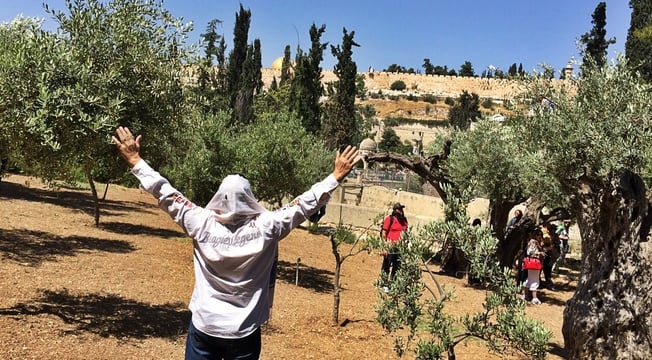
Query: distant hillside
(409,104)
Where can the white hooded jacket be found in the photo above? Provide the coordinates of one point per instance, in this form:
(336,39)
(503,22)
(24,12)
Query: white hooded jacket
(234,240)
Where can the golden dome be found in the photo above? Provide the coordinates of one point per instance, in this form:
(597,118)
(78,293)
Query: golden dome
(277,64)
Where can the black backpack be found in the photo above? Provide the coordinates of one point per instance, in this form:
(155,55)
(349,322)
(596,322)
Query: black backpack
(391,220)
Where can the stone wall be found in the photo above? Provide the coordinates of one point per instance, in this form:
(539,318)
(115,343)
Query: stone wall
(418,84)
(364,206)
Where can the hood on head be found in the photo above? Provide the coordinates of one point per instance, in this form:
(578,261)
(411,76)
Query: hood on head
(234,203)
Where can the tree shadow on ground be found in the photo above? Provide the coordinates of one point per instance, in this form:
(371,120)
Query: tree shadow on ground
(77,199)
(311,278)
(31,247)
(107,315)
(133,229)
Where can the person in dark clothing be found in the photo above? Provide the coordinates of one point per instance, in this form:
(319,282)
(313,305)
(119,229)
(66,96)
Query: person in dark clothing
(471,277)
(548,231)
(521,275)
(518,214)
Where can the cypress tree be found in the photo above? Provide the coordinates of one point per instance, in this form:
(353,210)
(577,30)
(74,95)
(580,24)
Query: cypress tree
(594,41)
(306,88)
(638,49)
(340,124)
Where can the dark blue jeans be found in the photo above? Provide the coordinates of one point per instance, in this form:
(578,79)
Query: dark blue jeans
(391,261)
(200,346)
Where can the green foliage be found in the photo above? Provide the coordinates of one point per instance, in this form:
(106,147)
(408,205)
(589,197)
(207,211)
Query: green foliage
(276,154)
(209,90)
(638,47)
(449,101)
(398,85)
(595,43)
(281,158)
(487,103)
(243,73)
(429,331)
(429,98)
(275,99)
(436,145)
(428,68)
(486,161)
(361,90)
(306,89)
(390,141)
(395,68)
(466,111)
(377,95)
(286,67)
(596,130)
(210,155)
(397,121)
(108,64)
(467,69)
(344,235)
(340,124)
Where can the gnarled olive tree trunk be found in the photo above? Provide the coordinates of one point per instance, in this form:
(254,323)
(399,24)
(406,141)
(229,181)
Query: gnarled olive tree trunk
(499,211)
(609,316)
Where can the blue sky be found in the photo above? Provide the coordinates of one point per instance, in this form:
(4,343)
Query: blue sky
(497,32)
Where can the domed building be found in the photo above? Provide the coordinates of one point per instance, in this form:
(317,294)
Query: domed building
(277,64)
(368,146)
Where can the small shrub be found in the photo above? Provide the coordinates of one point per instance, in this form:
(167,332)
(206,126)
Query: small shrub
(398,85)
(449,101)
(392,121)
(429,98)
(345,235)
(488,103)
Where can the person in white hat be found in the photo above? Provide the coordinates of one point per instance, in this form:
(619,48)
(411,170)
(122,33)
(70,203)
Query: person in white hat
(234,241)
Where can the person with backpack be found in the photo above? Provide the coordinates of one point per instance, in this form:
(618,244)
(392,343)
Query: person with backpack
(391,231)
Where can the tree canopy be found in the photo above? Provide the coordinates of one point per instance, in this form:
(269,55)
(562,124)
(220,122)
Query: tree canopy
(108,64)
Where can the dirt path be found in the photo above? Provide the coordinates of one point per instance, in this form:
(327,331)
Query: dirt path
(71,290)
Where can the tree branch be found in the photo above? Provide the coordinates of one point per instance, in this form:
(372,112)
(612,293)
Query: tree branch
(430,168)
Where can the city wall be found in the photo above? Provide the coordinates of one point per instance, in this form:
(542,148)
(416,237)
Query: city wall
(418,84)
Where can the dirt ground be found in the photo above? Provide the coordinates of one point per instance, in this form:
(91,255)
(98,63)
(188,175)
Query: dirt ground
(70,290)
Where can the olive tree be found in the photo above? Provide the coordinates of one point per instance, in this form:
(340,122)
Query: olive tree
(108,64)
(485,161)
(595,146)
(417,315)
(278,156)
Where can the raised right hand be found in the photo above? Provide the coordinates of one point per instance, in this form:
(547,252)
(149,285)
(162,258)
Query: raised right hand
(345,162)
(128,147)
